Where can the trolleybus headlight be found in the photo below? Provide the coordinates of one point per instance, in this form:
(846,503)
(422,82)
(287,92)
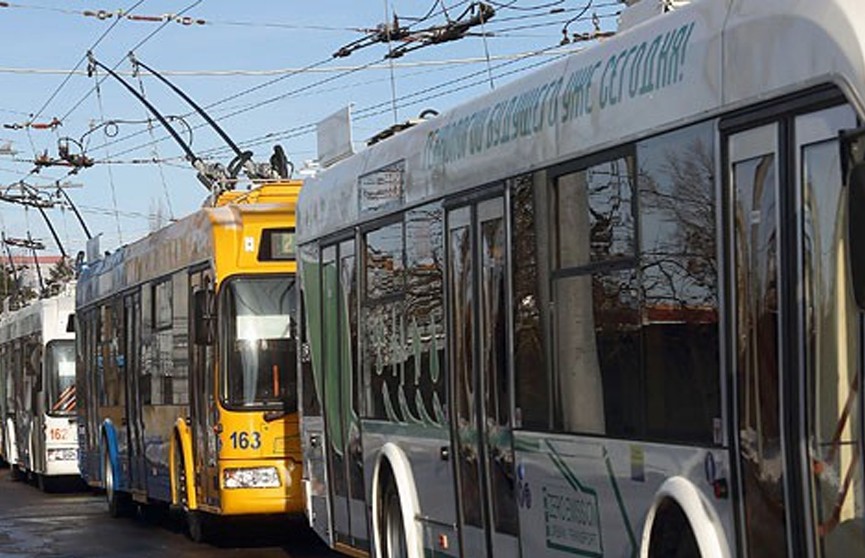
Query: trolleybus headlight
(55,454)
(251,477)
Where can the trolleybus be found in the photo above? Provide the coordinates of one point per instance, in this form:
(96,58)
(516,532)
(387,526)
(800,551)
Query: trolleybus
(187,363)
(37,390)
(608,309)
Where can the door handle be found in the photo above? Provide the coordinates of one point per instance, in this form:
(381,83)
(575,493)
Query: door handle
(445,453)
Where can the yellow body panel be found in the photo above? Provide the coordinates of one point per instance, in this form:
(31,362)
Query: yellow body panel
(236,242)
(287,498)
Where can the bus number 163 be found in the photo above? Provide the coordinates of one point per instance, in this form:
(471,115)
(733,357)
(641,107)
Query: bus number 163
(245,440)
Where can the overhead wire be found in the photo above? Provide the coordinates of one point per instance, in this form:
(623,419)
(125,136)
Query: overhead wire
(60,87)
(135,47)
(290,74)
(265,102)
(390,63)
(377,109)
(110,168)
(156,153)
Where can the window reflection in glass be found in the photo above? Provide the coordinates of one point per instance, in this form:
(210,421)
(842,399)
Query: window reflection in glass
(679,280)
(259,352)
(384,261)
(425,385)
(530,354)
(596,300)
(594,205)
(832,358)
(757,287)
(60,372)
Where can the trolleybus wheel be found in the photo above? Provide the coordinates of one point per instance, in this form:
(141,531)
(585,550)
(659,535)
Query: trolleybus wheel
(16,474)
(45,483)
(117,502)
(672,536)
(197,523)
(392,527)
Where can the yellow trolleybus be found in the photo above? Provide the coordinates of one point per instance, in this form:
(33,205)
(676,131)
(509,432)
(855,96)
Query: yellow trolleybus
(186,363)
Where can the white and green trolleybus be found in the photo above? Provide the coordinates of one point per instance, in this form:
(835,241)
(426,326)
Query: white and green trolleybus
(609,309)
(37,391)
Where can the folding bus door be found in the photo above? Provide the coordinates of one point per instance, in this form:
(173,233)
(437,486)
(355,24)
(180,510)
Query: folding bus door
(134,400)
(341,395)
(796,336)
(481,385)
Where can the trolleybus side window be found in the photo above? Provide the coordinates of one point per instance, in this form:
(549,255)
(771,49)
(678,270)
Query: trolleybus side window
(635,301)
(179,340)
(425,384)
(595,295)
(160,346)
(110,384)
(529,293)
(384,330)
(679,285)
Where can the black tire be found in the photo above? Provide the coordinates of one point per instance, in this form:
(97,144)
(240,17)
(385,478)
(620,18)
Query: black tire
(392,535)
(118,503)
(16,474)
(197,525)
(46,484)
(672,536)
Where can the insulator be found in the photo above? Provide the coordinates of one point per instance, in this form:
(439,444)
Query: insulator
(134,17)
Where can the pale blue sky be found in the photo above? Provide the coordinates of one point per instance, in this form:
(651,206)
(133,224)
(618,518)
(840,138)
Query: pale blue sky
(238,38)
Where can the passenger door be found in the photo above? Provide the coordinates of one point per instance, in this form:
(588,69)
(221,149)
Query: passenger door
(831,349)
(796,336)
(201,383)
(759,320)
(135,426)
(479,342)
(341,394)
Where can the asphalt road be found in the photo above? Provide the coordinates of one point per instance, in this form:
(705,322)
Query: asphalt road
(75,524)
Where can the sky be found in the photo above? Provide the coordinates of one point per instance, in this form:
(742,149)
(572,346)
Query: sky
(263,70)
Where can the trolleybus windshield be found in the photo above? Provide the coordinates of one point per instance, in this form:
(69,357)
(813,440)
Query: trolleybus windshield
(258,356)
(60,375)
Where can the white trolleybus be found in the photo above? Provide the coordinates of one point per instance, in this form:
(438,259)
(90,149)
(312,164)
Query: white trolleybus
(609,309)
(37,390)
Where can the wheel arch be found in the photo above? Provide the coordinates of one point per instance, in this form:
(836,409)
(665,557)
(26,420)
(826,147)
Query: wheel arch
(701,515)
(393,458)
(108,443)
(11,442)
(181,435)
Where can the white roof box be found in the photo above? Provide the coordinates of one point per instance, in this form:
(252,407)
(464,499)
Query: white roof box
(639,11)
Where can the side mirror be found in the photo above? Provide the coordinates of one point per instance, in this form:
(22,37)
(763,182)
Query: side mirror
(70,324)
(203,316)
(853,160)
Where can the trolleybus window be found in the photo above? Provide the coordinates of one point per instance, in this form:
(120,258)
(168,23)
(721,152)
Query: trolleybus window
(679,285)
(597,315)
(384,357)
(425,388)
(635,304)
(259,353)
(60,375)
(529,294)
